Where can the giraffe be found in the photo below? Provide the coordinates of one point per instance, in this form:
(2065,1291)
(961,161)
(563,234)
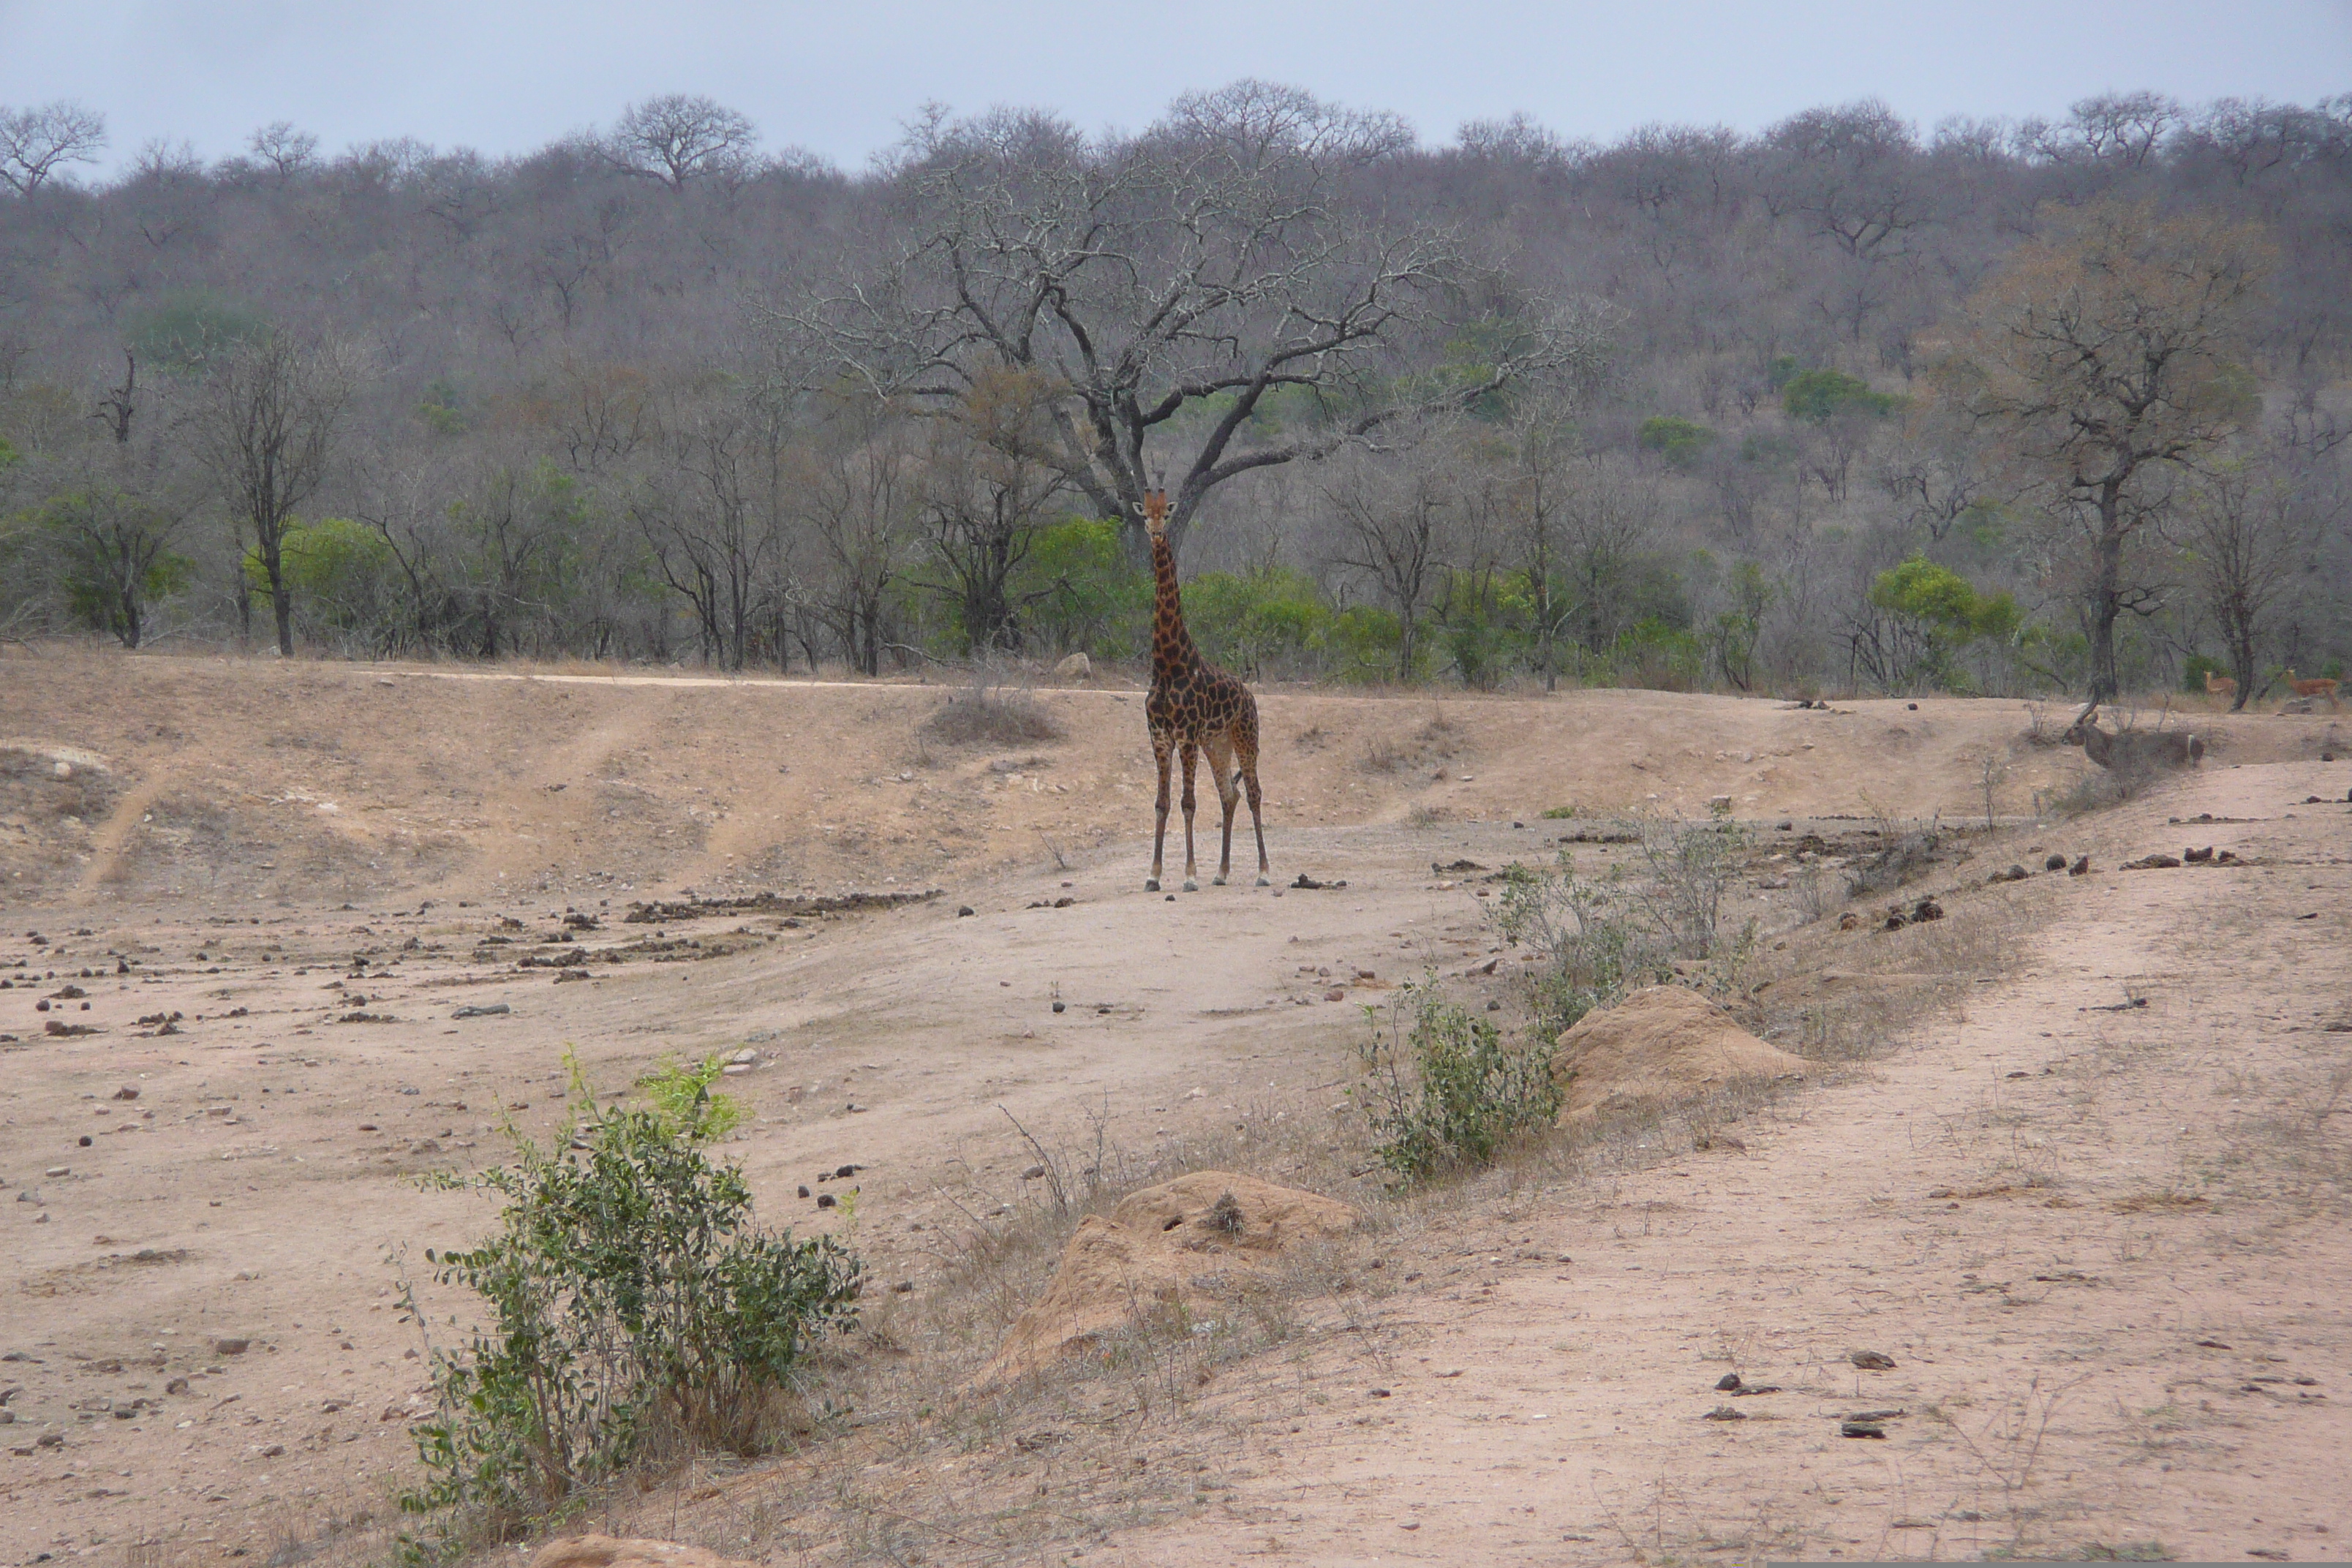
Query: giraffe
(1194,707)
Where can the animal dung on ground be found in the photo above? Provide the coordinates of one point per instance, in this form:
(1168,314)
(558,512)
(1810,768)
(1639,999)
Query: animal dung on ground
(1663,1043)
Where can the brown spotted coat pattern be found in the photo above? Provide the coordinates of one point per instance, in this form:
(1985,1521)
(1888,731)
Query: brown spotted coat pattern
(1195,708)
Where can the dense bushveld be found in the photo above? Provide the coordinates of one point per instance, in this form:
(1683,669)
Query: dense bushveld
(2008,406)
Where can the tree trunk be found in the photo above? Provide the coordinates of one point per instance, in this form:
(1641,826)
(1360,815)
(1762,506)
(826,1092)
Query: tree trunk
(2106,597)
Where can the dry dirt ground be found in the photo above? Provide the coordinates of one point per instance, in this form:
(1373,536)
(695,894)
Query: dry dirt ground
(2101,1247)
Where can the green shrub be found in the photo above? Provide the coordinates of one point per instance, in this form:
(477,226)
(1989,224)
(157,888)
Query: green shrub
(2197,667)
(1818,397)
(1083,593)
(1559,813)
(1444,1091)
(627,1297)
(1248,621)
(1681,442)
(681,1097)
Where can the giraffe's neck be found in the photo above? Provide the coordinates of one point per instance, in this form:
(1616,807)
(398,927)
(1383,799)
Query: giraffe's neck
(1172,653)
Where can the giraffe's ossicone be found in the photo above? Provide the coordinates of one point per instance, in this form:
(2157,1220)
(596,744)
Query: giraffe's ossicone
(1194,707)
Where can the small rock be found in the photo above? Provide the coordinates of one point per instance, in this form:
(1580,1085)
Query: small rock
(50,1440)
(178,1386)
(844,1173)
(1872,1361)
(1378,1393)
(231,1347)
(1057,1006)
(2080,867)
(1725,1413)
(59,1171)
(1927,910)
(1895,920)
(1849,921)
(2054,863)
(84,1141)
(129,1091)
(1727,1383)
(826,1201)
(1939,1192)
(272,1451)
(1033,1173)
(902,1288)
(486,1010)
(1860,1430)
(964,910)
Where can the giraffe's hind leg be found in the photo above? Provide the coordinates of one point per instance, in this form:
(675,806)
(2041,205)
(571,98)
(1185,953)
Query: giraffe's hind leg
(1245,750)
(1221,769)
(1191,754)
(1162,753)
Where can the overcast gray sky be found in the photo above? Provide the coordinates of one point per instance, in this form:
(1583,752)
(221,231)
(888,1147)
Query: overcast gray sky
(507,75)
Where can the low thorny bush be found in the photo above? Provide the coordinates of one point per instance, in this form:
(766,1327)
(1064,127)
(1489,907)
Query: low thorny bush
(987,713)
(629,1299)
(1444,1090)
(1597,937)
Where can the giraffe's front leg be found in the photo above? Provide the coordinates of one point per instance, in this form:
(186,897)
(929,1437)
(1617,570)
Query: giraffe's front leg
(1192,866)
(1162,753)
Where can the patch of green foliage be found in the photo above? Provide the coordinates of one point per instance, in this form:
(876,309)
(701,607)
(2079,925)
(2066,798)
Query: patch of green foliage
(1253,621)
(2196,667)
(188,330)
(1818,397)
(1445,1091)
(1681,442)
(1945,613)
(1559,813)
(1083,593)
(681,1096)
(626,1297)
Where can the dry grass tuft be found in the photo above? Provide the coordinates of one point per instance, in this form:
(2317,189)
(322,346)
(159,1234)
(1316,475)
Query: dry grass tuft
(987,713)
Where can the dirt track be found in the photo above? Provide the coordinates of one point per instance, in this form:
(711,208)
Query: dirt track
(220,814)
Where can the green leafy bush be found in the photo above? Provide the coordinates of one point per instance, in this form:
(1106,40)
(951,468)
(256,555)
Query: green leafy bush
(1444,1089)
(1250,621)
(627,1295)
(1681,442)
(1818,397)
(2194,671)
(681,1096)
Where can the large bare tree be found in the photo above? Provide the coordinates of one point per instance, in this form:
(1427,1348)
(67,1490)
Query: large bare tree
(35,140)
(2246,537)
(1204,298)
(267,434)
(2104,354)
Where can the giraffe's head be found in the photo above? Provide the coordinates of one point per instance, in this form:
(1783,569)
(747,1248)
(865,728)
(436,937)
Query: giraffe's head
(1155,512)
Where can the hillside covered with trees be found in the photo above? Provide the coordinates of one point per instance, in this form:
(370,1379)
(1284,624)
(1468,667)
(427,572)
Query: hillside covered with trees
(2001,407)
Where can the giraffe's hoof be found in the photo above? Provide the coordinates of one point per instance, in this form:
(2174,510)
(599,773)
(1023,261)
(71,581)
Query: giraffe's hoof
(1151,884)
(1216,881)
(1191,886)
(1264,883)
